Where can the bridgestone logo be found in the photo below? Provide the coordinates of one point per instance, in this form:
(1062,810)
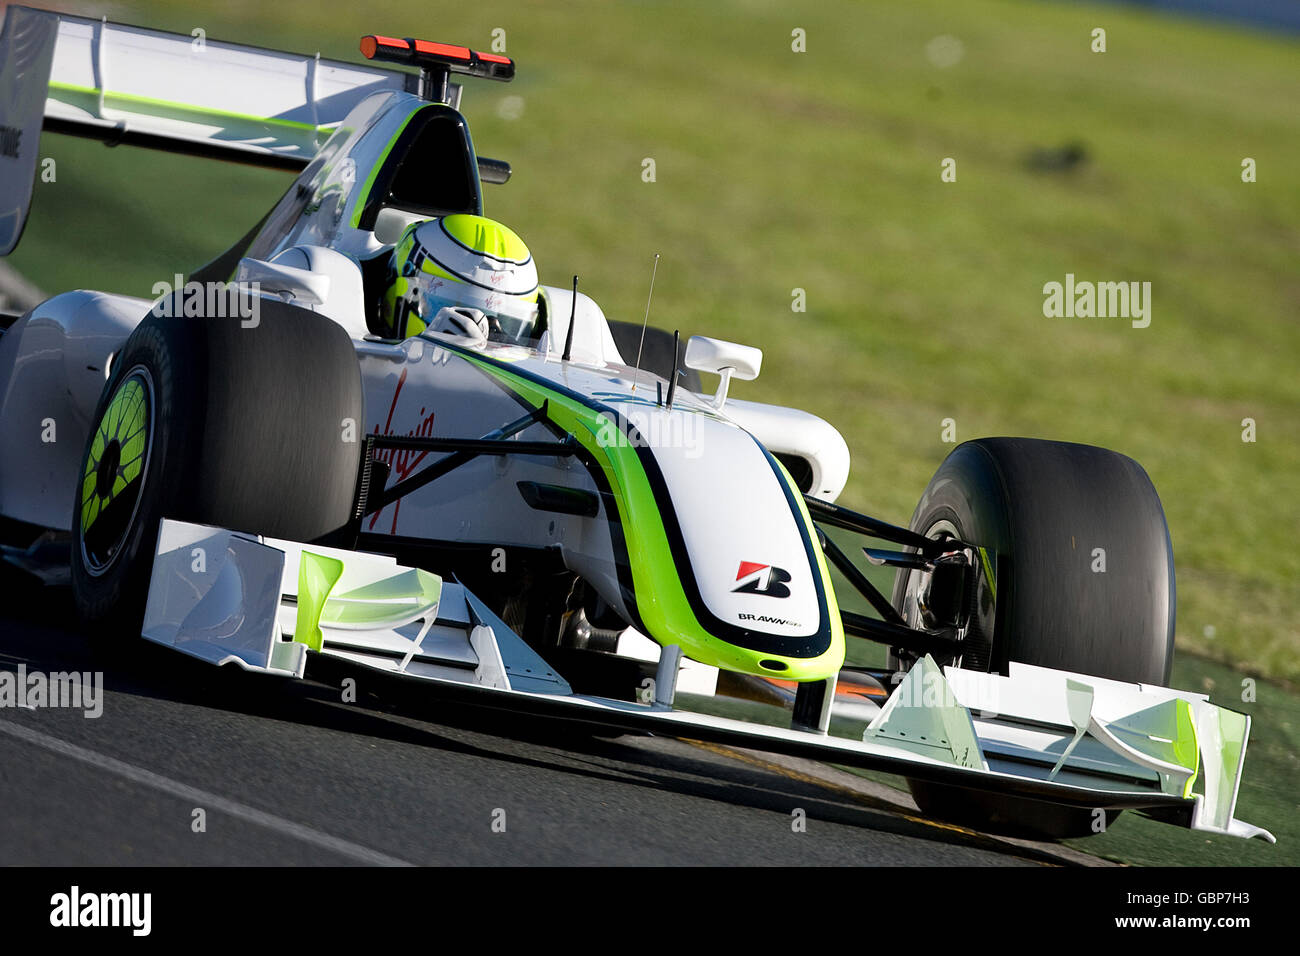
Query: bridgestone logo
(10,141)
(765,579)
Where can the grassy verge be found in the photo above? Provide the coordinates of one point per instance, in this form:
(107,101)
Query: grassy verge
(819,171)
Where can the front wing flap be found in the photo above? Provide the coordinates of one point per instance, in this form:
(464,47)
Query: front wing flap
(264,604)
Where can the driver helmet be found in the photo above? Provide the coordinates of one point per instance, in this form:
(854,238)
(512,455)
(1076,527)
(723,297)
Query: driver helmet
(461,261)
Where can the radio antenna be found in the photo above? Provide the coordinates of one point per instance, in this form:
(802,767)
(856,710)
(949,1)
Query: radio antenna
(573,312)
(672,382)
(644,322)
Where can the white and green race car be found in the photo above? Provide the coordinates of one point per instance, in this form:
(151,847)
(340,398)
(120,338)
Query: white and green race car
(566,525)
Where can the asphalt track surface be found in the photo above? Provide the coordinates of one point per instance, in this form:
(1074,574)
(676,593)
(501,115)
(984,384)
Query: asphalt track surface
(286,773)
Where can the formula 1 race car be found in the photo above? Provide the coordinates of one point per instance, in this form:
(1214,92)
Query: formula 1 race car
(250,471)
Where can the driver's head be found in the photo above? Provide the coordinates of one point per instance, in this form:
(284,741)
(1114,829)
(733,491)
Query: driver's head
(466,261)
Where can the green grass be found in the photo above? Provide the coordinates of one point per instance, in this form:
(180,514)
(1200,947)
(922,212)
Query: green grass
(820,171)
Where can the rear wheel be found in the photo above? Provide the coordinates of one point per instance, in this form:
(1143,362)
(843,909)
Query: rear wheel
(209,421)
(1075,572)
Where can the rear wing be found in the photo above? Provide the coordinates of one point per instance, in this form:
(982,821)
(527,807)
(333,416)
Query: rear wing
(183,93)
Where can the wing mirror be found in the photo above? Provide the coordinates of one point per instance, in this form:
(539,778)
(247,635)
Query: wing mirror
(287,282)
(725,359)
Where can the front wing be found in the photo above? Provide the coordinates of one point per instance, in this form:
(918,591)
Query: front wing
(1067,739)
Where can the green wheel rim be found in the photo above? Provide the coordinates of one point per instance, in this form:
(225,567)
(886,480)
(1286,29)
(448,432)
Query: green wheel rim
(113,479)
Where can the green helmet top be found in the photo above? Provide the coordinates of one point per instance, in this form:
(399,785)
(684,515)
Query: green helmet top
(461,260)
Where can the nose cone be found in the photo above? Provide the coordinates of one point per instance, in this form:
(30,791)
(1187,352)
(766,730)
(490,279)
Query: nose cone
(757,593)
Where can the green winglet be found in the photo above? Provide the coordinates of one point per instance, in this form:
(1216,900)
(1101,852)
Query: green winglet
(317,575)
(1187,750)
(1165,732)
(399,597)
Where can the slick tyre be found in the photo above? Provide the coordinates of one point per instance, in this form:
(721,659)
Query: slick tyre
(253,429)
(1076,573)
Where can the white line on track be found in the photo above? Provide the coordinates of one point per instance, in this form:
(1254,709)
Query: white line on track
(201,798)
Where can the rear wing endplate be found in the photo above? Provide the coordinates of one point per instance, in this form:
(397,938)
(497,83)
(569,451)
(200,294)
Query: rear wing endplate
(183,93)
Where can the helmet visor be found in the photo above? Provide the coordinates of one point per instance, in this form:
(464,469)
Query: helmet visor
(511,318)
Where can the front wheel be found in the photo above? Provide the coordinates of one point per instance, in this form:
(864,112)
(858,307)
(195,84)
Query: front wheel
(209,421)
(1074,571)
